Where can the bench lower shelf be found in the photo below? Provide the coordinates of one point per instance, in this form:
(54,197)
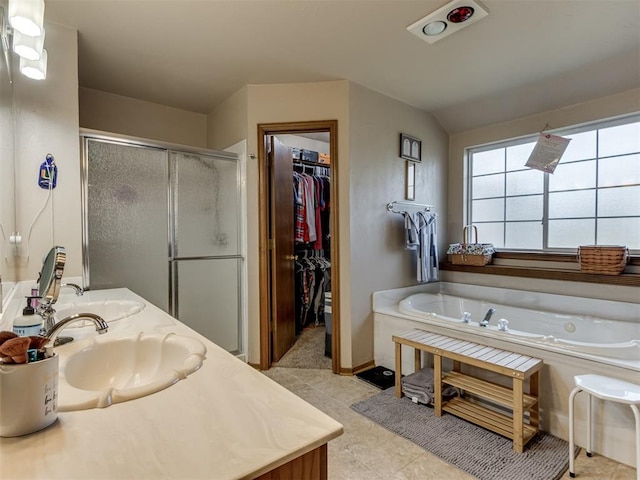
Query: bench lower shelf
(495,393)
(486,418)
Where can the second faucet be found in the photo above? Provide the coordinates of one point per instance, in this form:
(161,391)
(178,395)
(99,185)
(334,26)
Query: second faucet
(487,317)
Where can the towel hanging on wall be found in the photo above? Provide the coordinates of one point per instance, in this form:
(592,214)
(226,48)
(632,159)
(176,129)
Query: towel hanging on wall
(421,235)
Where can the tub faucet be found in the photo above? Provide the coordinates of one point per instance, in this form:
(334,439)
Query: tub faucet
(100,324)
(487,317)
(466,317)
(79,290)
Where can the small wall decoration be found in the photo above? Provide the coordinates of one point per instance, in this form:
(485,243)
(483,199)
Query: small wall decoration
(410,148)
(410,181)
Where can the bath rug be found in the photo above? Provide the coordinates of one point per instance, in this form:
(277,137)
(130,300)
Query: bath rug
(477,451)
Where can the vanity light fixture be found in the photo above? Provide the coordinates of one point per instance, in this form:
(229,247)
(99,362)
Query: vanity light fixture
(448,19)
(21,25)
(6,42)
(27,16)
(28,47)
(35,69)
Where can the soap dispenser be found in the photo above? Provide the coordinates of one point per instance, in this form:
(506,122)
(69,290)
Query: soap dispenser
(28,323)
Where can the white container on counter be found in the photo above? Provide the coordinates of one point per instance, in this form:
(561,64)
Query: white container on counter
(28,396)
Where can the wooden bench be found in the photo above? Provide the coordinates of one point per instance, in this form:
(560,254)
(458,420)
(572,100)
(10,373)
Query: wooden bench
(519,427)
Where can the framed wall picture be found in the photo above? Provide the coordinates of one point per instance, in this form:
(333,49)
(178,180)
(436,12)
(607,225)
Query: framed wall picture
(410,148)
(410,181)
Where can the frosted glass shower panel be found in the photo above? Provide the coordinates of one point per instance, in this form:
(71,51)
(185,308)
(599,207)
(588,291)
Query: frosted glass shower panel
(206,204)
(127,201)
(208,299)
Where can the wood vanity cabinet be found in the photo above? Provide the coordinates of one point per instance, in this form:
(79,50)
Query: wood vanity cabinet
(310,466)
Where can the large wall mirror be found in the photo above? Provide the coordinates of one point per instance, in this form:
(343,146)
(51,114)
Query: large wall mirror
(7,184)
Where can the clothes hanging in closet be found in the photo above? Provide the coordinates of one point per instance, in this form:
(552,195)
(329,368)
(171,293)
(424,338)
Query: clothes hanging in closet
(312,202)
(312,244)
(313,273)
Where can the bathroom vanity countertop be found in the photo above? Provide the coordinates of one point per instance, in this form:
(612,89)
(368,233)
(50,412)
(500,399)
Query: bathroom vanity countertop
(224,421)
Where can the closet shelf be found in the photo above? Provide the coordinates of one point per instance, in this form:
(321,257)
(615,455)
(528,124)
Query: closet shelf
(311,164)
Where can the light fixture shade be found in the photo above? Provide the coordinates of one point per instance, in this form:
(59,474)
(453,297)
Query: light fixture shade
(36,69)
(434,28)
(28,47)
(27,16)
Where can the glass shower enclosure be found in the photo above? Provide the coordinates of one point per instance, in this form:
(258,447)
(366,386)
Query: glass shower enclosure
(164,221)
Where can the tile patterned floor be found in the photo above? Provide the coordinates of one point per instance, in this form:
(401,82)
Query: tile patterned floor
(369,452)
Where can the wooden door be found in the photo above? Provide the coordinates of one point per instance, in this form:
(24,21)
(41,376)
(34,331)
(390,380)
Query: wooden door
(283,334)
(268,343)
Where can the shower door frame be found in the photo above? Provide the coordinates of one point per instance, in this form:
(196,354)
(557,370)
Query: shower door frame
(173,302)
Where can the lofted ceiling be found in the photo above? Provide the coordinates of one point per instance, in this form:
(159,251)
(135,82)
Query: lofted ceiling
(526,57)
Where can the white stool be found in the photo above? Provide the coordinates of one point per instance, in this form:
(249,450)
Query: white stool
(605,388)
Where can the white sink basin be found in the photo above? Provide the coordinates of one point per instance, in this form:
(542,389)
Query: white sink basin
(109,310)
(101,371)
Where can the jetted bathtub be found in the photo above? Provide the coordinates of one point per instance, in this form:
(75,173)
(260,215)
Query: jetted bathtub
(591,334)
(572,335)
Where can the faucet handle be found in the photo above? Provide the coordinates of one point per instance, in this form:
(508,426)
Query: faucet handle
(47,312)
(466,317)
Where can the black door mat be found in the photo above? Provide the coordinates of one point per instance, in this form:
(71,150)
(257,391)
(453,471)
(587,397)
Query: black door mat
(380,377)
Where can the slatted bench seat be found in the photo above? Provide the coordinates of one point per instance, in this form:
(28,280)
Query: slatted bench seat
(519,427)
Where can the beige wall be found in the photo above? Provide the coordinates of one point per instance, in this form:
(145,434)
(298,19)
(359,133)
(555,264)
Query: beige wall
(370,175)
(597,109)
(238,118)
(7,211)
(128,116)
(47,122)
(379,260)
(227,123)
(295,103)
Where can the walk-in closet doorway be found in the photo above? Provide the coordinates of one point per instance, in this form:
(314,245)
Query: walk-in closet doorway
(280,251)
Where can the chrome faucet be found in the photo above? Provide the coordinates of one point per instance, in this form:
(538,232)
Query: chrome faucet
(466,317)
(79,290)
(487,317)
(100,324)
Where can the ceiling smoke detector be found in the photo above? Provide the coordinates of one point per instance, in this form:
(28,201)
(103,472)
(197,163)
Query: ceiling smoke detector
(448,19)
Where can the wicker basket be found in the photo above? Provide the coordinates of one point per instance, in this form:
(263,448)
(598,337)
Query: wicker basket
(603,259)
(470,259)
(476,254)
